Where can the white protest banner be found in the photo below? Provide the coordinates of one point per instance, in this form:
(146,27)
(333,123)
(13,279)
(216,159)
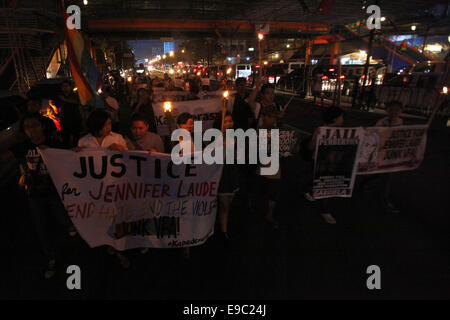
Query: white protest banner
(162,96)
(132,199)
(389,149)
(335,161)
(204,110)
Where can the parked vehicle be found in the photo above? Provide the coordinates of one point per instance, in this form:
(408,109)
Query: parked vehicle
(295,65)
(243,70)
(276,71)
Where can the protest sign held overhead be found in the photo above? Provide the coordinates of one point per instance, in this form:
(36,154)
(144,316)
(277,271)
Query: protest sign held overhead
(335,161)
(134,199)
(204,110)
(390,149)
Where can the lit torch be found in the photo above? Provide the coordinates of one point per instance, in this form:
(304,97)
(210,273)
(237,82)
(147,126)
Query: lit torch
(168,113)
(51,113)
(224,109)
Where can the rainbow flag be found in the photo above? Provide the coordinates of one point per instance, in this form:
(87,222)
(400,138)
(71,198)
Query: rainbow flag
(84,71)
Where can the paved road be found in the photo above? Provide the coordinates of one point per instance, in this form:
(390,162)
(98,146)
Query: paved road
(305,259)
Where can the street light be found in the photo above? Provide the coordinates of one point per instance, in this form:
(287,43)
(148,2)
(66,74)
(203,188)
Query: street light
(171,54)
(383,19)
(164,56)
(413,28)
(182,51)
(260,36)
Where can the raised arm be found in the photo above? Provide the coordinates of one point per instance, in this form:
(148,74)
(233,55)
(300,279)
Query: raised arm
(251,98)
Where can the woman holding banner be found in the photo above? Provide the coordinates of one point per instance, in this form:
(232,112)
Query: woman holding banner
(394,109)
(228,184)
(186,121)
(101,136)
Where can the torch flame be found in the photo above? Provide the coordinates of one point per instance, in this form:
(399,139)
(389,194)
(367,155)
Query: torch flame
(167,106)
(51,113)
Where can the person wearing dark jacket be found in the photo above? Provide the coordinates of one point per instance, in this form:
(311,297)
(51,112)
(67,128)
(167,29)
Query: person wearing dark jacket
(43,199)
(144,106)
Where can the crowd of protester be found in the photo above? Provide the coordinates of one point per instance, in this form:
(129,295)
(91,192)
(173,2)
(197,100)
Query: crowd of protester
(84,127)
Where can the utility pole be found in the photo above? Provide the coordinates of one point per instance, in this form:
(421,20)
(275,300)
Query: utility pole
(338,91)
(366,66)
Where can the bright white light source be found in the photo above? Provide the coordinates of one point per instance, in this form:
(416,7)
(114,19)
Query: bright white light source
(413,28)
(251,49)
(85,2)
(260,36)
(433,47)
(167,106)
(383,19)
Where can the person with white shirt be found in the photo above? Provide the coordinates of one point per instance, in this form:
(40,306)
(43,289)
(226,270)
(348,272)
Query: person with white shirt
(100,134)
(393,109)
(267,99)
